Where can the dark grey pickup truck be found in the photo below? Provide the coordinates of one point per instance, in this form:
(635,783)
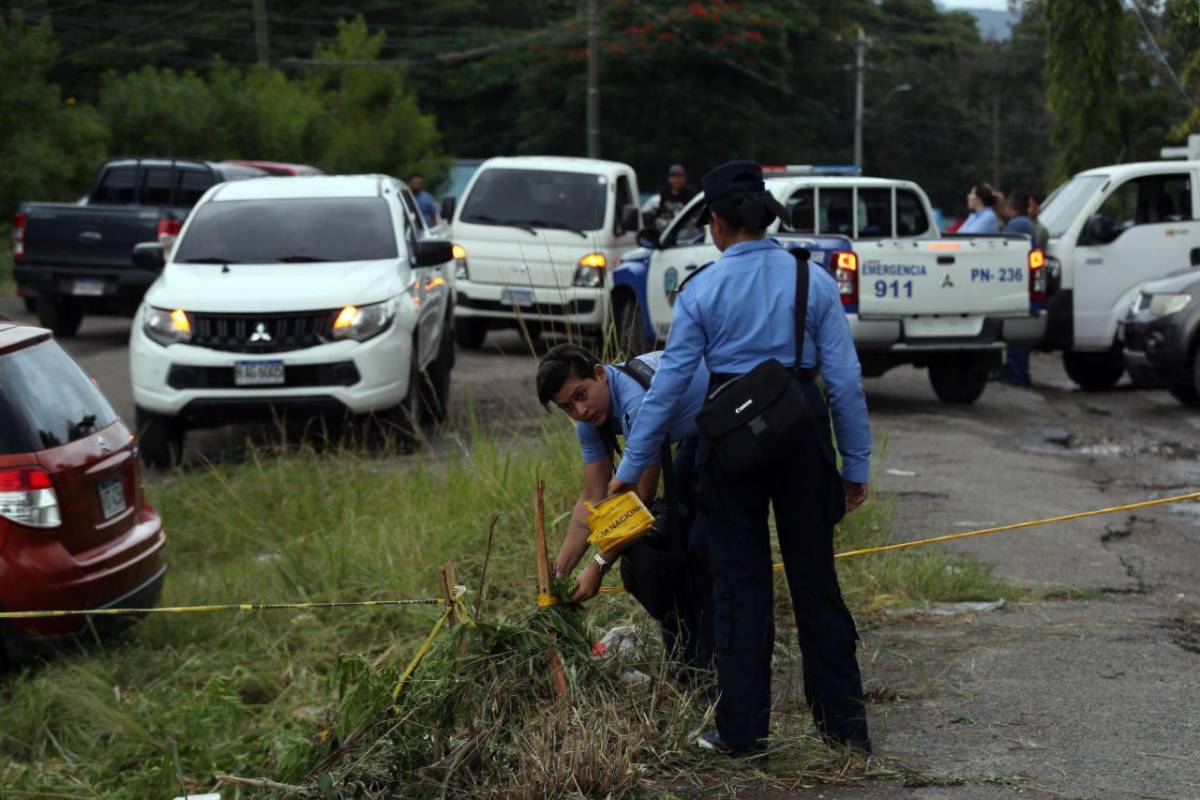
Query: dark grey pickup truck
(76,258)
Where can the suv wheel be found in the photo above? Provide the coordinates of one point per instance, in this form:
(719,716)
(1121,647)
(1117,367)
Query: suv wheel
(60,314)
(435,383)
(958,379)
(1189,393)
(160,439)
(1094,372)
(401,425)
(470,333)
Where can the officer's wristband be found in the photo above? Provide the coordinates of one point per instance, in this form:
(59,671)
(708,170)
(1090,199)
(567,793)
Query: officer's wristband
(604,564)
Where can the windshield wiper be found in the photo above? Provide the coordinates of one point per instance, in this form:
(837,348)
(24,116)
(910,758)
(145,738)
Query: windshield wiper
(208,260)
(558,226)
(486,220)
(300,259)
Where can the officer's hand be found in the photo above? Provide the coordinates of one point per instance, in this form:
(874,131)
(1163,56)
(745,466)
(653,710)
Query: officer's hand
(616,486)
(587,585)
(856,495)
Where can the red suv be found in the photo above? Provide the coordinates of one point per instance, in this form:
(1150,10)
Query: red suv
(75,529)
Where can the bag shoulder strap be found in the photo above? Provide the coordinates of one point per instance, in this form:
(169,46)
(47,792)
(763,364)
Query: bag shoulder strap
(643,373)
(801,256)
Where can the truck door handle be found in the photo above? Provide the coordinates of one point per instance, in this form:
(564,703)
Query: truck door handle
(945,259)
(691,267)
(1195,254)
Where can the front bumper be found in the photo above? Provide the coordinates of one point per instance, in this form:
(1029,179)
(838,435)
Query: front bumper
(196,383)
(1156,343)
(568,305)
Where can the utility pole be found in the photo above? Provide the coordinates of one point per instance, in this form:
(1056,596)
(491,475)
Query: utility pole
(260,32)
(861,43)
(593,80)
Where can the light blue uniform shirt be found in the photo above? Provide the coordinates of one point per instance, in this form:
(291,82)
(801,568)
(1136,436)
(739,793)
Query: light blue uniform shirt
(736,314)
(982,221)
(1021,224)
(626,395)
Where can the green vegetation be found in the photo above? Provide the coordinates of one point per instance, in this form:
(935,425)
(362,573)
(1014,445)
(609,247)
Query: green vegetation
(7,285)
(183,699)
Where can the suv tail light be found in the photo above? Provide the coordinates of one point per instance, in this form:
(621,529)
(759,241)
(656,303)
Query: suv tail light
(1037,280)
(18,238)
(27,497)
(168,230)
(845,264)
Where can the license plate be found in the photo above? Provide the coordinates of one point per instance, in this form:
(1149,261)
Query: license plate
(522,298)
(112,497)
(87,288)
(258,373)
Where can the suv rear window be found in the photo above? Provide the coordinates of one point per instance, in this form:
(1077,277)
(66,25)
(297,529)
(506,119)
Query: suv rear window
(300,230)
(47,400)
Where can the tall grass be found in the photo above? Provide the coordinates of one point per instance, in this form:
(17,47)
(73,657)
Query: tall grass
(183,699)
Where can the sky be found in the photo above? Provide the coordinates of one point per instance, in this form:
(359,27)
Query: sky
(986,5)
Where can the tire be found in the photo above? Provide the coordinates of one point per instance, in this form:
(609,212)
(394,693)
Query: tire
(61,315)
(435,383)
(402,425)
(631,333)
(1144,377)
(1189,393)
(160,439)
(959,380)
(1094,372)
(470,333)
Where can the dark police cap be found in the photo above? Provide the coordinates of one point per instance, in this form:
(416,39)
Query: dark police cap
(734,176)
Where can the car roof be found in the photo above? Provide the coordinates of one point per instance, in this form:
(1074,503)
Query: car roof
(556,163)
(1142,168)
(300,187)
(14,336)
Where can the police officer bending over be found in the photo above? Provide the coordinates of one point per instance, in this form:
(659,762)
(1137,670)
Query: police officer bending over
(740,315)
(667,569)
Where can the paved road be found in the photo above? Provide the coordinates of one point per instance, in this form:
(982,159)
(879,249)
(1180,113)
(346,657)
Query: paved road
(1079,698)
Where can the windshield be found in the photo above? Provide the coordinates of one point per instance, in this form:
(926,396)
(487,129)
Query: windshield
(1065,202)
(528,198)
(299,231)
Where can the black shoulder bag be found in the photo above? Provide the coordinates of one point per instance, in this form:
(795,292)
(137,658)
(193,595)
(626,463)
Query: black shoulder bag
(753,420)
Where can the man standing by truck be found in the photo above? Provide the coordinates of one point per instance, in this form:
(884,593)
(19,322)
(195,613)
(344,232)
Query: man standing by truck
(673,197)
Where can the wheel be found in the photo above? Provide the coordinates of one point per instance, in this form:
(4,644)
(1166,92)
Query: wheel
(631,333)
(470,333)
(958,379)
(1189,393)
(1144,377)
(435,383)
(60,314)
(160,439)
(1094,372)
(401,425)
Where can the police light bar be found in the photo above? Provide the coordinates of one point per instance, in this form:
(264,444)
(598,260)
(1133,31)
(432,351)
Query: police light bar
(790,170)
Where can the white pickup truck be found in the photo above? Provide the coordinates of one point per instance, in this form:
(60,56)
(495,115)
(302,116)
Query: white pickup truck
(949,303)
(1111,230)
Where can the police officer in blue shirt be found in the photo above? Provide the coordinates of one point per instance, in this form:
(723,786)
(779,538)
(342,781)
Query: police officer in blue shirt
(667,570)
(735,314)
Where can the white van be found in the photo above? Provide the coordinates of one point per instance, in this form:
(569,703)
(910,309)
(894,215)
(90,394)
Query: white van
(1112,229)
(535,238)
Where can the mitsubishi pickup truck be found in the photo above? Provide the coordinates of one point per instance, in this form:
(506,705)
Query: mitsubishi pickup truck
(76,258)
(951,304)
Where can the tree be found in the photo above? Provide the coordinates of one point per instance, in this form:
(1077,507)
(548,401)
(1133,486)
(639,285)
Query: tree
(48,147)
(1083,61)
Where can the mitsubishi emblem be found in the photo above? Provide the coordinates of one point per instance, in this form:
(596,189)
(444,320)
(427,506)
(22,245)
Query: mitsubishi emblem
(946,283)
(260,334)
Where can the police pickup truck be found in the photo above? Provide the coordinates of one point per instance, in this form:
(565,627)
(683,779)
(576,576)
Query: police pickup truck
(950,303)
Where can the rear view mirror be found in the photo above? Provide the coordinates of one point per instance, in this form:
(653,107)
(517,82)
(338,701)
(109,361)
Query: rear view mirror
(648,237)
(1099,230)
(631,218)
(432,252)
(149,256)
(448,206)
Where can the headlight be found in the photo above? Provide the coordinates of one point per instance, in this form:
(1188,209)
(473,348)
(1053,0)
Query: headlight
(167,327)
(1164,305)
(590,272)
(461,271)
(363,322)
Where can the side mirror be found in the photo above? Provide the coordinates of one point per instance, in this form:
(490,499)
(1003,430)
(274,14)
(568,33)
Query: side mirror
(648,238)
(447,208)
(631,218)
(432,252)
(1099,229)
(149,256)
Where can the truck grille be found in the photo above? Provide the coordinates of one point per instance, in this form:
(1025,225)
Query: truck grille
(261,333)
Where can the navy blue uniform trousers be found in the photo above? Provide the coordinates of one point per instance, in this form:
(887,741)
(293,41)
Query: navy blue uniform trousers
(806,493)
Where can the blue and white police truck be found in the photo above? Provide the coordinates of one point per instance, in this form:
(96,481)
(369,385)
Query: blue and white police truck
(950,303)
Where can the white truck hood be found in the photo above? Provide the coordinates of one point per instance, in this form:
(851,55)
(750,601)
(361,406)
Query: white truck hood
(546,258)
(266,288)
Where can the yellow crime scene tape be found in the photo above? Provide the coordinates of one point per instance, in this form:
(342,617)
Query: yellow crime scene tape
(115,612)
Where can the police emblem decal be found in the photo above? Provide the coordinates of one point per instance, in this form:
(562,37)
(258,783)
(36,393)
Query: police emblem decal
(671,284)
